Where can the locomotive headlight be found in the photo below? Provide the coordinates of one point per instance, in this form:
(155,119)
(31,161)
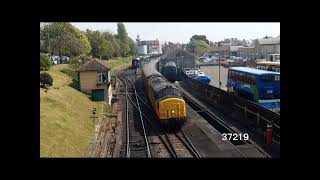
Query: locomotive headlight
(172,111)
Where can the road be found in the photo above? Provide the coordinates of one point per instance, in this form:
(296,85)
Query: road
(213,72)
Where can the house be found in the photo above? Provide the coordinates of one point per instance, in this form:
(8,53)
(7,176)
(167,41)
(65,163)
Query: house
(183,58)
(234,50)
(153,46)
(222,50)
(247,52)
(95,79)
(266,46)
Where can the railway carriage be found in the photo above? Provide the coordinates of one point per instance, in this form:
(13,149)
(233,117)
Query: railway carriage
(170,71)
(136,63)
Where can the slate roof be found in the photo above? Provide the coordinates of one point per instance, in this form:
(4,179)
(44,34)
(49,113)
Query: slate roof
(95,65)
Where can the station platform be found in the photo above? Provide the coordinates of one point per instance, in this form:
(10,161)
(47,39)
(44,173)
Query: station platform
(213,145)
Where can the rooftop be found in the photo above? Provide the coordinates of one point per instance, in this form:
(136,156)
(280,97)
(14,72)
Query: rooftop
(95,65)
(235,48)
(269,40)
(253,71)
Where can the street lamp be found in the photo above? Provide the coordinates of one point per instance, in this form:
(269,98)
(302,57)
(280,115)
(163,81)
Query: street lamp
(219,70)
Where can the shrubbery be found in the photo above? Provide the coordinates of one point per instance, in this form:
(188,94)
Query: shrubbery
(45,79)
(45,62)
(75,62)
(74,75)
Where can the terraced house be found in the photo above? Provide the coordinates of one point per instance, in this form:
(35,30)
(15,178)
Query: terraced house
(95,79)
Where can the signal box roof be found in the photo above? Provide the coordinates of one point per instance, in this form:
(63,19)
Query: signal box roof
(253,71)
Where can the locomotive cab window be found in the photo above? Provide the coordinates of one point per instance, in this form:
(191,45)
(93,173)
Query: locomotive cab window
(169,92)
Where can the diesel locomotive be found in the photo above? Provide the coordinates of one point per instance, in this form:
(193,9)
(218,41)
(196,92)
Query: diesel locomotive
(166,99)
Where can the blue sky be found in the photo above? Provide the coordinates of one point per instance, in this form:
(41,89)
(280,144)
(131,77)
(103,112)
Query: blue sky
(182,32)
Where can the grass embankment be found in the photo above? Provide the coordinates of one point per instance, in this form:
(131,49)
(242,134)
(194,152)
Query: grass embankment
(119,63)
(65,123)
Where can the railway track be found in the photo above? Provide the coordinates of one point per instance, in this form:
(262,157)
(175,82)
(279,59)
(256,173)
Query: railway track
(137,144)
(176,144)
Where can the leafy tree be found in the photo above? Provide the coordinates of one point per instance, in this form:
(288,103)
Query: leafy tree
(132,46)
(200,37)
(45,79)
(45,62)
(100,46)
(75,62)
(198,44)
(43,48)
(115,45)
(64,39)
(123,39)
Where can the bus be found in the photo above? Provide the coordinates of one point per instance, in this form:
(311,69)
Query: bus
(268,66)
(259,86)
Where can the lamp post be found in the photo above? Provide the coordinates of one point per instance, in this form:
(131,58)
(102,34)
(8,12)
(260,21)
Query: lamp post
(219,70)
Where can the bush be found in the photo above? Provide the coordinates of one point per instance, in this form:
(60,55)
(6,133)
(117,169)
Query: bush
(71,73)
(45,79)
(74,75)
(45,62)
(75,62)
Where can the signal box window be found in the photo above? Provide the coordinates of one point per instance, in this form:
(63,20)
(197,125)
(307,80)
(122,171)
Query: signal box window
(102,77)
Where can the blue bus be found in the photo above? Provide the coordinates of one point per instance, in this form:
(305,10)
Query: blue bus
(259,86)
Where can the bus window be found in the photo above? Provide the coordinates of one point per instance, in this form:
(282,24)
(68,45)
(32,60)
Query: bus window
(267,78)
(235,75)
(252,79)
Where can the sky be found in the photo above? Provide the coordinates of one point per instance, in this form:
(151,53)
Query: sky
(182,32)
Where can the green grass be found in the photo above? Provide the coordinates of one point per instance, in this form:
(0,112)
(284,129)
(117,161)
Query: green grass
(65,123)
(73,75)
(119,63)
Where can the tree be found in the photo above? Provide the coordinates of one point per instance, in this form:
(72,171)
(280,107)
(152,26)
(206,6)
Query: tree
(43,48)
(45,62)
(198,44)
(132,46)
(64,39)
(115,46)
(75,62)
(123,39)
(200,37)
(100,46)
(45,79)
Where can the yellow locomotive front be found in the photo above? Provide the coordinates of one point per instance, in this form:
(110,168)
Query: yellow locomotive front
(172,108)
